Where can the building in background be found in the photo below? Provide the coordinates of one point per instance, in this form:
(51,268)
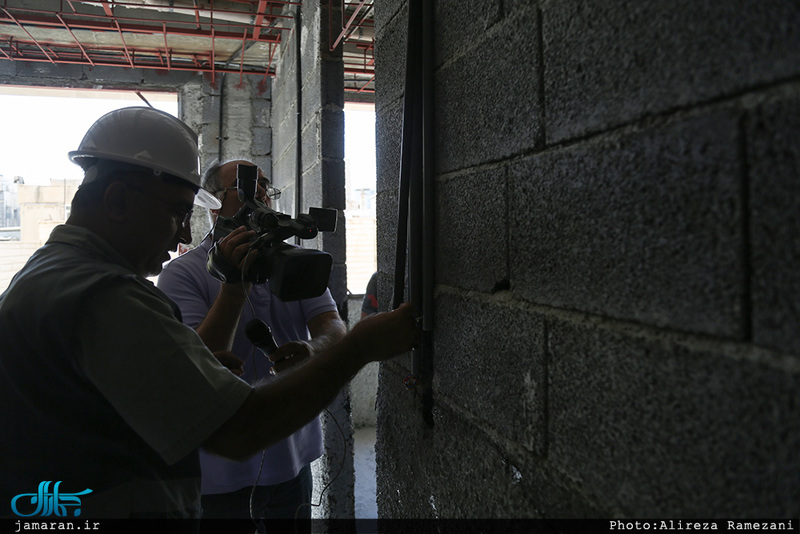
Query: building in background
(9,208)
(38,209)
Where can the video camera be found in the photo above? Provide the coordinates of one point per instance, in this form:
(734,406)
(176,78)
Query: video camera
(293,272)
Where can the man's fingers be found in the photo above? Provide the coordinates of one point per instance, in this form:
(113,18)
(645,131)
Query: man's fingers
(232,362)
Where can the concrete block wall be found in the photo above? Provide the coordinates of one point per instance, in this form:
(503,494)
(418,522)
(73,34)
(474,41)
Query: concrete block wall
(232,117)
(617,296)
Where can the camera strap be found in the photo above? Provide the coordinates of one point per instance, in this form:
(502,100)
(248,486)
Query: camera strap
(220,268)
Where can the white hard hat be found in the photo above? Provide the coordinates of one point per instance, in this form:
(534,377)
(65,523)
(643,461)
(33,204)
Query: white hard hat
(148,138)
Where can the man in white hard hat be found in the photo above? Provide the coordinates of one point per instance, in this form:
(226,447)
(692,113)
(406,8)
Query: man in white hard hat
(106,395)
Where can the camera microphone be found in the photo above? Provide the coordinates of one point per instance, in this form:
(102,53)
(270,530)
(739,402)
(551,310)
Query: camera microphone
(260,335)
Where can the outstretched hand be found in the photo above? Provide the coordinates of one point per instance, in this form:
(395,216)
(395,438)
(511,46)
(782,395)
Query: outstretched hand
(385,335)
(289,355)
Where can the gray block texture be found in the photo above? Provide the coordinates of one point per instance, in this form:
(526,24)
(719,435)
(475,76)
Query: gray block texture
(471,231)
(478,118)
(609,63)
(643,226)
(773,154)
(390,59)
(649,426)
(7,70)
(455,469)
(388,138)
(491,363)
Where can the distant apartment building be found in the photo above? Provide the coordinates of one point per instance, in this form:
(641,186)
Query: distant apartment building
(38,209)
(9,204)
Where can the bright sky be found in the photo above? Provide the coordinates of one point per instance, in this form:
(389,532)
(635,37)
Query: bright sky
(359,145)
(40,126)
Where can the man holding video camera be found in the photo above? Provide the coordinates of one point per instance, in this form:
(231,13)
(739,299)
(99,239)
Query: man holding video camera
(277,483)
(105,392)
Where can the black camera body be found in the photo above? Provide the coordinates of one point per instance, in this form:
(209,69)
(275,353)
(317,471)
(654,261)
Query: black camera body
(293,272)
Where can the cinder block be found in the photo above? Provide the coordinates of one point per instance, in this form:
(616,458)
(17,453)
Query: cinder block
(262,113)
(471,237)
(211,108)
(386,212)
(489,359)
(390,9)
(101,75)
(71,75)
(209,141)
(333,191)
(649,426)
(773,154)
(337,283)
(283,176)
(261,141)
(645,226)
(390,59)
(400,467)
(331,81)
(332,133)
(478,118)
(310,47)
(311,155)
(285,100)
(312,185)
(610,63)
(278,99)
(450,477)
(7,68)
(237,123)
(456,28)
(388,137)
(385,289)
(283,139)
(191,103)
(168,80)
(208,87)
(311,93)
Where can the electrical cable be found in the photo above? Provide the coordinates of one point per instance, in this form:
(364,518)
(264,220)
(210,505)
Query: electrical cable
(338,472)
(264,452)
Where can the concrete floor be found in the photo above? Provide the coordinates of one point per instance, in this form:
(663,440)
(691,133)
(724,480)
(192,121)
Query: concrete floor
(366,506)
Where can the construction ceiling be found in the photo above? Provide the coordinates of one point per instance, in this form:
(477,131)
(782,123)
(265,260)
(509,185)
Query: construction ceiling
(214,37)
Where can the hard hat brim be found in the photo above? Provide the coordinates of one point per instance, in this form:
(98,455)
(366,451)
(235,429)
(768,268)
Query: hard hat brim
(202,197)
(207,200)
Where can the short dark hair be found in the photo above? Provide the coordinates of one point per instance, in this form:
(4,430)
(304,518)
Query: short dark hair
(88,196)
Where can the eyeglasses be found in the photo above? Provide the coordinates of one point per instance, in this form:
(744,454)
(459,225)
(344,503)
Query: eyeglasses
(272,192)
(182,214)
